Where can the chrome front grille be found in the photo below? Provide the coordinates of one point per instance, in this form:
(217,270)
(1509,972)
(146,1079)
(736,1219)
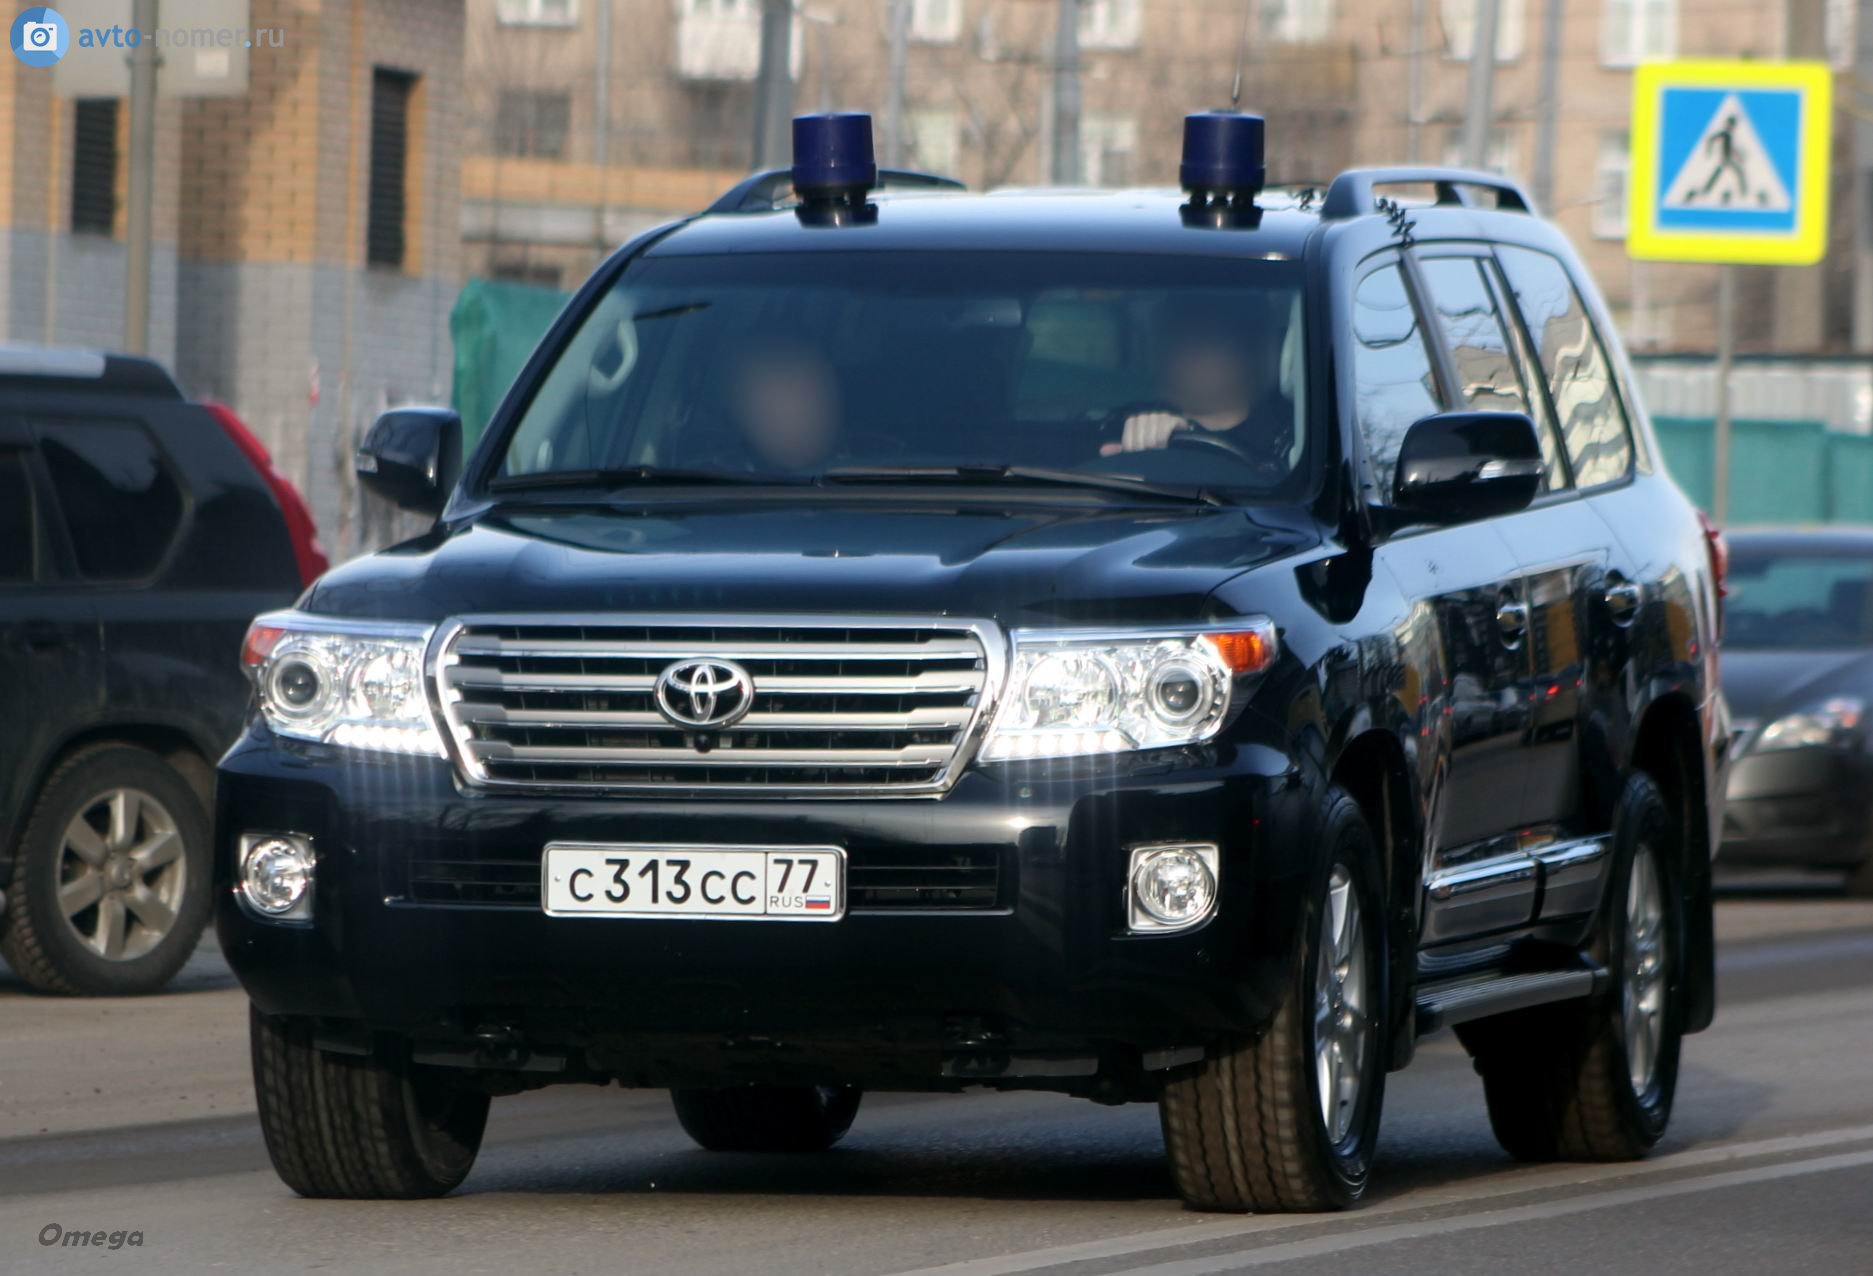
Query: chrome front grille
(838,706)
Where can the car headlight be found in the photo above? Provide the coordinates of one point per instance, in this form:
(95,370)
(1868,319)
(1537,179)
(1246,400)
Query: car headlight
(1071,694)
(1819,725)
(353,683)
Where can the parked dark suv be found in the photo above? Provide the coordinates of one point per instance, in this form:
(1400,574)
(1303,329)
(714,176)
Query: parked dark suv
(139,534)
(1151,647)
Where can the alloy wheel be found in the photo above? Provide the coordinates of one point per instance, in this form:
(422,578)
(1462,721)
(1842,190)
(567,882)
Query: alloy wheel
(1642,991)
(121,874)
(1343,1025)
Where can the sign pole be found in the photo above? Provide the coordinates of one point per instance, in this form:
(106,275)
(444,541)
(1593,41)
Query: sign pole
(139,209)
(1726,352)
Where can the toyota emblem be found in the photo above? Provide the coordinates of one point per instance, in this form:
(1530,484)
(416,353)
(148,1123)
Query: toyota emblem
(703,693)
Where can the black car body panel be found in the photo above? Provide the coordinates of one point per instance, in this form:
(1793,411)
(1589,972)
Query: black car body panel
(1488,763)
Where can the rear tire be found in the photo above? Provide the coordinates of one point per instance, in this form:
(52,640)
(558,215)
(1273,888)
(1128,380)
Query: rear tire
(767,1118)
(1594,1081)
(357,1127)
(111,888)
(1247,1128)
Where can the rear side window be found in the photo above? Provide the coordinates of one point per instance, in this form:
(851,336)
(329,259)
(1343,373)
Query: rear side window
(121,505)
(1393,386)
(19,532)
(1580,380)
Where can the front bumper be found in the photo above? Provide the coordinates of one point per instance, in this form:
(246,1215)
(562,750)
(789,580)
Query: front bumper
(1806,808)
(1048,972)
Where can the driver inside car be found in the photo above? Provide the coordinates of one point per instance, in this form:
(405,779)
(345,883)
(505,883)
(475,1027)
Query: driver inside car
(1218,376)
(784,397)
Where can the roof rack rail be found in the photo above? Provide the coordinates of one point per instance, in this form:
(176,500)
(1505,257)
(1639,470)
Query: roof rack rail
(1354,193)
(762,192)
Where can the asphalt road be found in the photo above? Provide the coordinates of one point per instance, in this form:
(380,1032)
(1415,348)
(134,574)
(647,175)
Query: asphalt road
(136,1116)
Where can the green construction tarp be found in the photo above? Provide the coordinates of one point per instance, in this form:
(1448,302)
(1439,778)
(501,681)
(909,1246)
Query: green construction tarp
(1780,471)
(494,327)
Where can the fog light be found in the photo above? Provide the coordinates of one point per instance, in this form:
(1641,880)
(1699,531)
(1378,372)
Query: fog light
(276,875)
(1172,887)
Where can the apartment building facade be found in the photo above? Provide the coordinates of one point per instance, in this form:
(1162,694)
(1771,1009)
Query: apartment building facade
(590,119)
(307,230)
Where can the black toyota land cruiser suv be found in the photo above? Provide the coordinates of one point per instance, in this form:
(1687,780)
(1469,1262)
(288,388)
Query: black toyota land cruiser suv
(1150,646)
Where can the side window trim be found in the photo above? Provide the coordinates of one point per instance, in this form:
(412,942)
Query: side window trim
(1443,362)
(19,451)
(1535,380)
(1443,369)
(1638,458)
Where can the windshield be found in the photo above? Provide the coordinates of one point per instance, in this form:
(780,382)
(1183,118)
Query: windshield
(1800,601)
(879,367)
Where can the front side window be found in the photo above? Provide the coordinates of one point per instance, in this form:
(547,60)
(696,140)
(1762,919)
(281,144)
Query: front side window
(805,367)
(120,503)
(1393,385)
(1580,379)
(1801,600)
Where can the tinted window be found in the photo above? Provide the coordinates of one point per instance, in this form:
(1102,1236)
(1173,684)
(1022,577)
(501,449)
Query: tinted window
(18,534)
(1586,405)
(1392,381)
(1799,601)
(1465,296)
(119,501)
(790,366)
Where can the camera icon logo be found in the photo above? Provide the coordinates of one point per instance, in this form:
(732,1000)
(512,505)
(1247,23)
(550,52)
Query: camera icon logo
(40,36)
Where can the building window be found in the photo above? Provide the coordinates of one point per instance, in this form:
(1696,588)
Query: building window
(94,166)
(537,13)
(1635,31)
(391,92)
(1609,185)
(1109,24)
(1107,145)
(532,123)
(1459,18)
(936,21)
(1296,21)
(933,140)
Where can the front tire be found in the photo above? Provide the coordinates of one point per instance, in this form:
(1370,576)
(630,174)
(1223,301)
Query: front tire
(1595,1081)
(111,889)
(360,1127)
(1288,1121)
(767,1118)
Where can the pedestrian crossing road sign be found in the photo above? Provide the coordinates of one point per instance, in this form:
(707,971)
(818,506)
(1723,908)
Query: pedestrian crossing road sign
(1729,162)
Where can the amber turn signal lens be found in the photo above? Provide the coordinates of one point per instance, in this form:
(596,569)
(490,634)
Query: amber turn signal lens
(1245,650)
(259,644)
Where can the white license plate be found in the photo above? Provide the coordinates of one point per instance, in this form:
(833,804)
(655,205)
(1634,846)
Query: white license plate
(791,883)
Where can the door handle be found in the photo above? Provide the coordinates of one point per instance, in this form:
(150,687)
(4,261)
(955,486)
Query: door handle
(1511,622)
(1622,600)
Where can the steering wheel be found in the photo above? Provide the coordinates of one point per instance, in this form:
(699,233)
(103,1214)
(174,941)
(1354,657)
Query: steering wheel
(1196,438)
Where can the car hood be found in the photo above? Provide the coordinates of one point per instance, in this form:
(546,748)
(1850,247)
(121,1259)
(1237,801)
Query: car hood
(1761,685)
(1047,565)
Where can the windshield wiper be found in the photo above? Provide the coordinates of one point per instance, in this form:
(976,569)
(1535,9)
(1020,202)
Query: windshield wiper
(625,475)
(1014,474)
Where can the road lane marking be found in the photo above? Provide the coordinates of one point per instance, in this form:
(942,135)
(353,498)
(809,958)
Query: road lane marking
(1216,1265)
(1506,1184)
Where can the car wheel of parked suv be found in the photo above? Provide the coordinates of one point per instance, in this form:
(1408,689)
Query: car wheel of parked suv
(1288,1121)
(361,1127)
(1594,1081)
(110,892)
(767,1118)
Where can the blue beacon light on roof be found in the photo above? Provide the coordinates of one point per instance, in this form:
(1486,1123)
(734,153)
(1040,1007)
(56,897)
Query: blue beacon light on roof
(1223,168)
(834,168)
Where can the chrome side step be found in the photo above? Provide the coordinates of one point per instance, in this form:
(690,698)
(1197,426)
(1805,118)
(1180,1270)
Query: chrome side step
(1455,1001)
